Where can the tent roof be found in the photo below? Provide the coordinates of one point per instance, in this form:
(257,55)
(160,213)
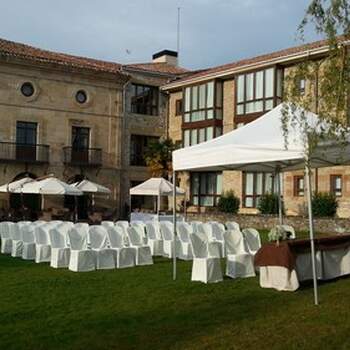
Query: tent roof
(15,186)
(51,186)
(259,146)
(87,186)
(155,186)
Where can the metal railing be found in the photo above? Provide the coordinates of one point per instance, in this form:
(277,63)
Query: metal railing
(82,156)
(20,152)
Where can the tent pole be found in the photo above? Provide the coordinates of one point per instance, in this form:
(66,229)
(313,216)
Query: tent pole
(174,225)
(311,230)
(158,205)
(185,207)
(280,211)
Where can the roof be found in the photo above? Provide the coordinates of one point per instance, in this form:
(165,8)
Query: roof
(34,54)
(157,67)
(250,61)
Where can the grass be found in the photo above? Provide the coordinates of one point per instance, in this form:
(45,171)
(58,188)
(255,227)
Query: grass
(143,308)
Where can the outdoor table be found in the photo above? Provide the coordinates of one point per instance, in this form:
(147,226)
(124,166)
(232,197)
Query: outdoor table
(283,265)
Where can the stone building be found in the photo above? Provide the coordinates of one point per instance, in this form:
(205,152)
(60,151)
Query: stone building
(208,103)
(74,117)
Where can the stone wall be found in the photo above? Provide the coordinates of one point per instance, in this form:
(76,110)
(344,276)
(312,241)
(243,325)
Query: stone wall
(300,223)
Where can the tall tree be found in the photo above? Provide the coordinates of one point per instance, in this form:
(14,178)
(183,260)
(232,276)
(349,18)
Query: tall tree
(327,77)
(158,158)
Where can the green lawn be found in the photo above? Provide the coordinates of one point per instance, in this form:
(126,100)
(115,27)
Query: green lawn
(143,308)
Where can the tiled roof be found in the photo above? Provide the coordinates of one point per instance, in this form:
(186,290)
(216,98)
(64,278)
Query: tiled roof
(27,52)
(158,67)
(254,60)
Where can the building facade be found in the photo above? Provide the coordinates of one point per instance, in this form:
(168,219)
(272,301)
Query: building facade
(220,99)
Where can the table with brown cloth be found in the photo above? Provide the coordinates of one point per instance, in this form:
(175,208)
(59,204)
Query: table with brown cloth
(282,266)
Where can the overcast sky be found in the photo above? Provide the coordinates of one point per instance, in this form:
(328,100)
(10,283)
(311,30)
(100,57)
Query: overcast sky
(213,32)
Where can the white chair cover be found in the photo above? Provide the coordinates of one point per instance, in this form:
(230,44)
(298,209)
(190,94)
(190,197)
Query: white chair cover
(126,256)
(216,247)
(17,240)
(28,252)
(124,225)
(81,257)
(167,230)
(107,223)
(239,263)
(195,225)
(143,252)
(60,252)
(42,243)
(105,257)
(204,268)
(5,234)
(252,238)
(232,225)
(154,238)
(184,251)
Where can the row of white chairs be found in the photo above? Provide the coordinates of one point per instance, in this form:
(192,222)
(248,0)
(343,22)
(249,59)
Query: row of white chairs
(79,247)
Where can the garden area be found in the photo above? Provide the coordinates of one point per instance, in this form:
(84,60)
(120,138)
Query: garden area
(143,308)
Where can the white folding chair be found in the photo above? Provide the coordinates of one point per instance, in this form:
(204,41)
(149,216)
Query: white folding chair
(205,232)
(239,263)
(6,239)
(42,243)
(126,256)
(60,251)
(232,225)
(143,252)
(252,238)
(17,240)
(81,257)
(167,231)
(195,225)
(184,231)
(218,230)
(141,230)
(99,244)
(204,268)
(124,225)
(28,251)
(154,238)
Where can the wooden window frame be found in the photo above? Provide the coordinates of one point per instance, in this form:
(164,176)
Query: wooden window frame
(197,128)
(255,196)
(247,117)
(137,159)
(296,186)
(154,107)
(178,107)
(215,196)
(332,181)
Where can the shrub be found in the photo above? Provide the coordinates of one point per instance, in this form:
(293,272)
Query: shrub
(324,204)
(268,204)
(229,203)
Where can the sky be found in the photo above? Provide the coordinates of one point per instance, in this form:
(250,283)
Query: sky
(212,32)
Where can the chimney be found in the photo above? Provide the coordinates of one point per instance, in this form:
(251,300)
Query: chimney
(165,56)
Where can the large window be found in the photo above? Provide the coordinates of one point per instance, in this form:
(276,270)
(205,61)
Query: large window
(257,184)
(203,102)
(299,186)
(138,148)
(206,188)
(194,136)
(336,182)
(144,99)
(258,91)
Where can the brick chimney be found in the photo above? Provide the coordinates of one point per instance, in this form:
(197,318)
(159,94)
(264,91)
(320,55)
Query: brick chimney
(165,56)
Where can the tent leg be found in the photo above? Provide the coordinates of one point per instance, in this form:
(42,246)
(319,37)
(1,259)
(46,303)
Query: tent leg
(311,232)
(174,225)
(280,211)
(158,205)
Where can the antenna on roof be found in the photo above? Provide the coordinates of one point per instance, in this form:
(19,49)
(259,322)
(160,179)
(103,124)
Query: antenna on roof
(178,34)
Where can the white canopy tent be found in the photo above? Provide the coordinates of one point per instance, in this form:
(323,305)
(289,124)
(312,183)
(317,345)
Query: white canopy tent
(260,146)
(157,187)
(92,188)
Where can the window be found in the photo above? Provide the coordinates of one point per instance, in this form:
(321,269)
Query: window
(203,102)
(178,107)
(81,96)
(194,136)
(26,140)
(144,99)
(257,184)
(255,91)
(206,188)
(336,182)
(27,89)
(298,186)
(138,148)
(80,138)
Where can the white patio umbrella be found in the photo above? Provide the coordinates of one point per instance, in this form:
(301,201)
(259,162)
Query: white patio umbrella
(92,188)
(15,186)
(260,146)
(50,186)
(158,187)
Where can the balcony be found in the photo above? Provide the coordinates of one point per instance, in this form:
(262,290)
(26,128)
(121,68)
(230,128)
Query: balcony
(13,152)
(87,157)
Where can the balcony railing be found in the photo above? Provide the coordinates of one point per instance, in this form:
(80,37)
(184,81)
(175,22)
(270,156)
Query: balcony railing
(24,153)
(82,156)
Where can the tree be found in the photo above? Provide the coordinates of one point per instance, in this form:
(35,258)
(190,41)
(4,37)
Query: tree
(158,158)
(328,77)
